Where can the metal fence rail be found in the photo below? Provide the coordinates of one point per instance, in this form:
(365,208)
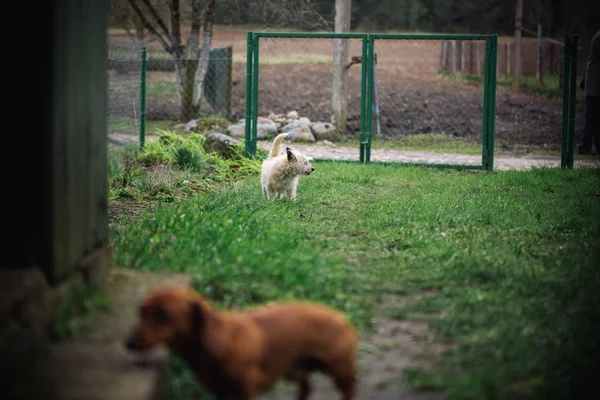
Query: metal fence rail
(373,91)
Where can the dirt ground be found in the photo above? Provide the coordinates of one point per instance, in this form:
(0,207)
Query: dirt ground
(394,346)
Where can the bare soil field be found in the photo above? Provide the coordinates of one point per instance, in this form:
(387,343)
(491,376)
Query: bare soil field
(413,97)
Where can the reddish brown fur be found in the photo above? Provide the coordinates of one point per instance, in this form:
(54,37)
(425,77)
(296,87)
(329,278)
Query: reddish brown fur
(239,355)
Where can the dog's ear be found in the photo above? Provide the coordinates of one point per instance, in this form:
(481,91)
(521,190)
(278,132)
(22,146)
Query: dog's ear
(197,319)
(208,329)
(290,155)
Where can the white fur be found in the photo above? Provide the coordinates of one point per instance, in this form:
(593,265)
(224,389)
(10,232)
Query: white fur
(280,173)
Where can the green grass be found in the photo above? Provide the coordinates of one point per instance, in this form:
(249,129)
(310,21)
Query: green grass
(510,258)
(435,142)
(172,168)
(528,83)
(71,314)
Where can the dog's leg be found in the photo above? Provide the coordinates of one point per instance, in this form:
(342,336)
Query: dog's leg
(293,187)
(344,376)
(347,385)
(301,378)
(303,388)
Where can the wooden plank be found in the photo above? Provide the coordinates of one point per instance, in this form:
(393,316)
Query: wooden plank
(79,216)
(97,48)
(58,165)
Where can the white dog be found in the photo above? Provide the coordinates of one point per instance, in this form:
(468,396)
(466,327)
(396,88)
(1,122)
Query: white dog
(280,172)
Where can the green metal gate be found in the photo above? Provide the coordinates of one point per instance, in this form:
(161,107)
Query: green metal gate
(366,88)
(569,76)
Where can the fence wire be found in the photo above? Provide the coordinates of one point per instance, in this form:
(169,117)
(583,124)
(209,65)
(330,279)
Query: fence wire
(296,76)
(124,63)
(164,91)
(420,88)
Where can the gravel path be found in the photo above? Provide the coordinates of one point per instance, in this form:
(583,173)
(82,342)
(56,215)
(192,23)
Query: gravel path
(501,162)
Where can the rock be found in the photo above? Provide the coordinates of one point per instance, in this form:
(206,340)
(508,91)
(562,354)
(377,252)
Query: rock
(191,125)
(217,129)
(301,135)
(265,128)
(222,144)
(324,131)
(328,143)
(292,115)
(237,131)
(305,121)
(299,130)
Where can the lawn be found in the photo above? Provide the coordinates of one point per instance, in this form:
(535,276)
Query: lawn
(508,260)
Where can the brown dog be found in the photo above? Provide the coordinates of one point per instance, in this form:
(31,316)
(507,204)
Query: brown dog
(240,355)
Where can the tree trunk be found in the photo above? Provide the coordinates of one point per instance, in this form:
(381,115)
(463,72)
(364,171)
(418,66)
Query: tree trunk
(140,32)
(518,26)
(188,110)
(339,97)
(204,52)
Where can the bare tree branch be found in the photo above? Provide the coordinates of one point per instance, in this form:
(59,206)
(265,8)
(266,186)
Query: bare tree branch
(205,52)
(159,20)
(175,21)
(166,45)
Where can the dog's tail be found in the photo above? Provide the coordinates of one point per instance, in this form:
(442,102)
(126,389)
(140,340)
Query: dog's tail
(276,144)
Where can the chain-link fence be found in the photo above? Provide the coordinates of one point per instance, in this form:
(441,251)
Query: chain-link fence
(427,91)
(423,87)
(167,86)
(124,67)
(296,76)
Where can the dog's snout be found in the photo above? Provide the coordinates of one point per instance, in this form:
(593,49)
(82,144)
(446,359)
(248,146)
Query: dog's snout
(133,344)
(312,169)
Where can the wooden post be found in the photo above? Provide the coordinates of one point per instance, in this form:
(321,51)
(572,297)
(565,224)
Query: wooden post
(508,59)
(550,64)
(453,43)
(444,60)
(463,48)
(478,58)
(339,96)
(538,70)
(518,27)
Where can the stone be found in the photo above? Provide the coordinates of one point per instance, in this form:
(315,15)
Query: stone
(300,134)
(191,125)
(305,121)
(222,144)
(324,131)
(299,130)
(265,128)
(237,131)
(292,115)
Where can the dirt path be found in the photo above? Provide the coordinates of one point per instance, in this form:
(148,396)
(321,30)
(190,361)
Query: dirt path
(394,346)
